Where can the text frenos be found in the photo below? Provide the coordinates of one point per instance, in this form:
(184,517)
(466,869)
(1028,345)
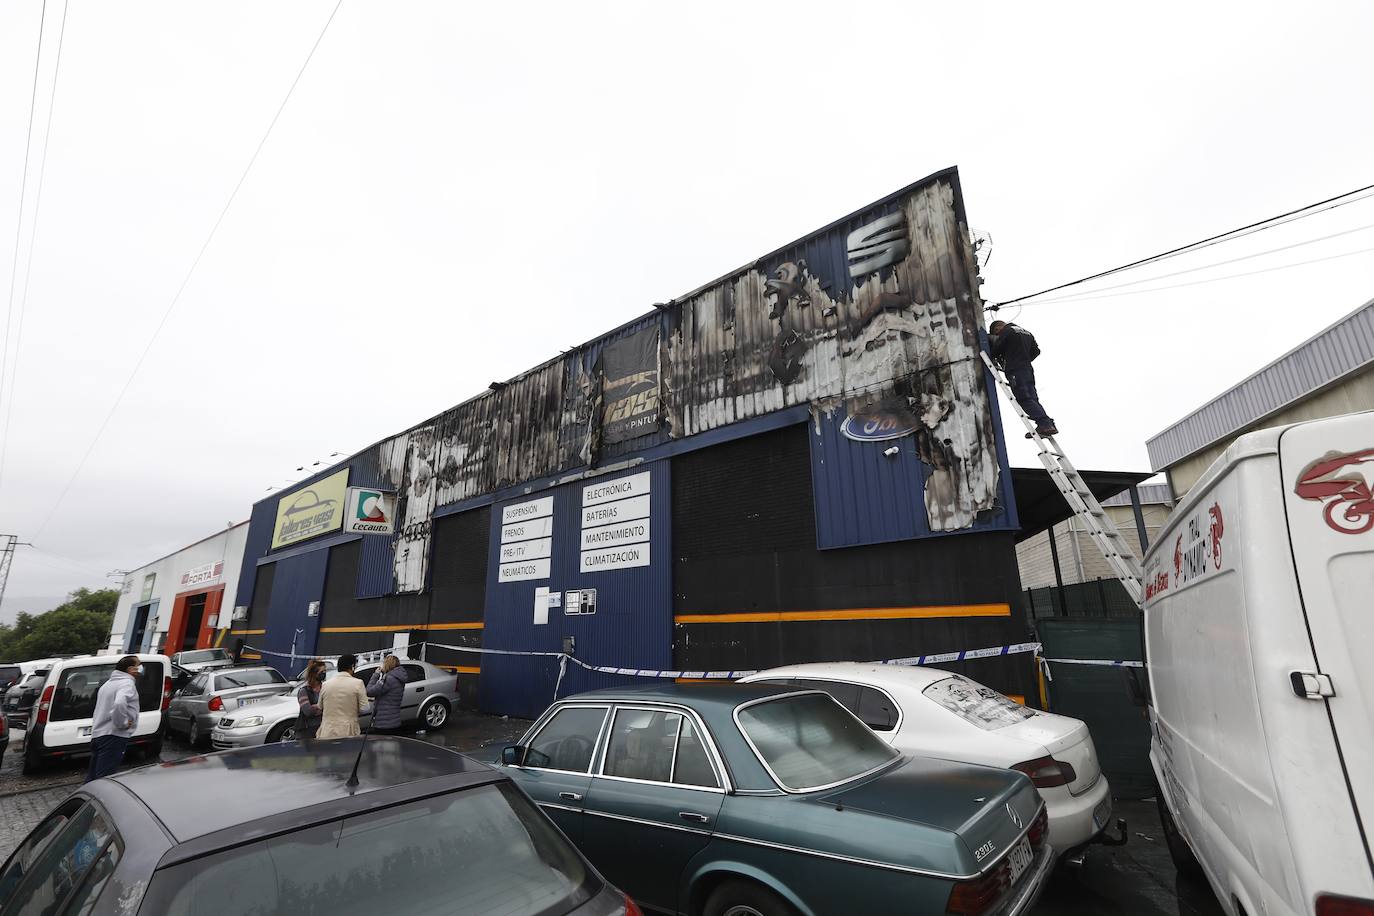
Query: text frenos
(526,541)
(616,524)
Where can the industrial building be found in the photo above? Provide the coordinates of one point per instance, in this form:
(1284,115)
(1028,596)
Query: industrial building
(177,602)
(1329,375)
(802,460)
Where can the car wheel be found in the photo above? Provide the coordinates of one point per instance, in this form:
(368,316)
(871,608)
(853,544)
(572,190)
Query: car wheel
(33,763)
(1179,850)
(193,735)
(286,731)
(745,898)
(435,714)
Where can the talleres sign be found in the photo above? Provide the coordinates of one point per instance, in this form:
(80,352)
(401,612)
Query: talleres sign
(370,511)
(311,511)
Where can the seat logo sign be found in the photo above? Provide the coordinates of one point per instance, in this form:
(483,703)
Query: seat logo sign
(370,511)
(1344,483)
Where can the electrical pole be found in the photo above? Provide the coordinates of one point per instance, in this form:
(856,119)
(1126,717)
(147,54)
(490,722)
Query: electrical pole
(7,544)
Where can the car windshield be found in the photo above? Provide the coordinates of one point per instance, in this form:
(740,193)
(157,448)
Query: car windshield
(971,701)
(203,655)
(482,851)
(808,741)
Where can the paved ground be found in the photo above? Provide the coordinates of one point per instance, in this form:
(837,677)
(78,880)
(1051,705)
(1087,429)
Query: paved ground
(1137,879)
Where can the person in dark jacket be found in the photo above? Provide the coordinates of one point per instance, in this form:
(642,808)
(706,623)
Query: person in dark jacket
(1013,347)
(308,696)
(387,689)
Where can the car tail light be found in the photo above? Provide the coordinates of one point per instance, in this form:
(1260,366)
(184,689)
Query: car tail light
(1047,773)
(216,704)
(44,704)
(1333,905)
(631,908)
(970,898)
(166,693)
(1039,828)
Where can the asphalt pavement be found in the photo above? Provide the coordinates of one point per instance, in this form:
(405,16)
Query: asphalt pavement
(1137,879)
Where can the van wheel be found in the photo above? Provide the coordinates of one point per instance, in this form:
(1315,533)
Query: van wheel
(33,763)
(745,898)
(1179,850)
(435,714)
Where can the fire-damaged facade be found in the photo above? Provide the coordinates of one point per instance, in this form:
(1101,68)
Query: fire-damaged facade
(799,461)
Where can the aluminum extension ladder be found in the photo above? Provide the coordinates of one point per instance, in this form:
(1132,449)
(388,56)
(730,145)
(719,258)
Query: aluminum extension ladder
(1101,529)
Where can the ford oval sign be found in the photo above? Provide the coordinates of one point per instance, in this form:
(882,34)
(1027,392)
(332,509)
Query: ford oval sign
(877,425)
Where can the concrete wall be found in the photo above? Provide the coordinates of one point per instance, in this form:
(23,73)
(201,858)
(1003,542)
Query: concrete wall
(1353,394)
(1079,558)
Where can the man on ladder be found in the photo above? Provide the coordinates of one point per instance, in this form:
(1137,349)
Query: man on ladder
(1013,347)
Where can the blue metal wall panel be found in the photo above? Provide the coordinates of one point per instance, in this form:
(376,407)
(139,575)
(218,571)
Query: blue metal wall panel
(632,626)
(863,496)
(255,546)
(299,580)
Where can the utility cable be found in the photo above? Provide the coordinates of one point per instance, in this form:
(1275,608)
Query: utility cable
(23,193)
(1193,246)
(176,298)
(1191,270)
(1248,273)
(33,241)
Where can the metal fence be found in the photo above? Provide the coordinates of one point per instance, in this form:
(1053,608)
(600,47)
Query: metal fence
(1099,598)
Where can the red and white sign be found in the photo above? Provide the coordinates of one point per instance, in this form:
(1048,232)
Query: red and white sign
(202,574)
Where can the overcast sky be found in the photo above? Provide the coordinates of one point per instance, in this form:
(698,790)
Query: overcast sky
(456,192)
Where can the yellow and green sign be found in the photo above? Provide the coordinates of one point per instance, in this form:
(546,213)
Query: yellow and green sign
(310,511)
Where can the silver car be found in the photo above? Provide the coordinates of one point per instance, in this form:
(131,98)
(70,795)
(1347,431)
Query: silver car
(431,693)
(196,660)
(210,695)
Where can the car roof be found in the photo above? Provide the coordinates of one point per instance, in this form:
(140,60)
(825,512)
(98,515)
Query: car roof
(226,792)
(701,697)
(897,676)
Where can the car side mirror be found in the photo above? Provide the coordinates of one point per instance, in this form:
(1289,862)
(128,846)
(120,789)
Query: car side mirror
(513,755)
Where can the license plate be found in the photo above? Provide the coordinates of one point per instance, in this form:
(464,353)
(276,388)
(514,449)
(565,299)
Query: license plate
(248,701)
(1102,813)
(85,731)
(1020,859)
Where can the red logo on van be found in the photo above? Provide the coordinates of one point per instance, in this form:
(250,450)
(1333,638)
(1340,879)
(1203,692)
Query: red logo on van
(1214,533)
(1345,483)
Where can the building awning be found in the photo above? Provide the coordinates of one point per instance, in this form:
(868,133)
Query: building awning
(1039,504)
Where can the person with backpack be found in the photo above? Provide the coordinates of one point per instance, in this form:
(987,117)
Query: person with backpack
(1014,348)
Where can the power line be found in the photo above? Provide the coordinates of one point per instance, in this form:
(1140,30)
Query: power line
(176,298)
(1248,273)
(33,242)
(1192,270)
(23,192)
(1193,246)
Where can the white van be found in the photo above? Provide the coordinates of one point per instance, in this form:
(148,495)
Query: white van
(1259,626)
(60,722)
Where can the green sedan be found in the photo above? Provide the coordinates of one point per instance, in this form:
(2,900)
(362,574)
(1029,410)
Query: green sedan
(758,800)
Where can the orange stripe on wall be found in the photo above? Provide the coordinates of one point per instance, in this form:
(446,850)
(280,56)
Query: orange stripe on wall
(246,632)
(868,613)
(402,627)
(461,669)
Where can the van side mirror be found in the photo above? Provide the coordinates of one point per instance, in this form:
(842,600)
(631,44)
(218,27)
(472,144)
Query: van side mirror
(513,755)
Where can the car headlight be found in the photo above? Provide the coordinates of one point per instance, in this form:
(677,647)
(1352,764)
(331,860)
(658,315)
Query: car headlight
(248,722)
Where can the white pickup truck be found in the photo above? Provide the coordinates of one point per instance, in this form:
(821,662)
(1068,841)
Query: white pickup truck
(1259,636)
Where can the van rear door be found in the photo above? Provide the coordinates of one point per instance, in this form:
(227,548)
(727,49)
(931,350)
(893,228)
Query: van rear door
(1328,474)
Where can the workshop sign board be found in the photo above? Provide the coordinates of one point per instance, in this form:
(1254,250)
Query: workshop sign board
(615,524)
(526,540)
(311,511)
(370,511)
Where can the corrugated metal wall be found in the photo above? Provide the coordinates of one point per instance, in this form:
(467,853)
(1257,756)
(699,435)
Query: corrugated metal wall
(632,626)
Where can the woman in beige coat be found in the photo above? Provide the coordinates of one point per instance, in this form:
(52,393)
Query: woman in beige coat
(342,698)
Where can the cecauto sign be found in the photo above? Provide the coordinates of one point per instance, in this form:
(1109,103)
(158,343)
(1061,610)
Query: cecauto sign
(370,511)
(311,511)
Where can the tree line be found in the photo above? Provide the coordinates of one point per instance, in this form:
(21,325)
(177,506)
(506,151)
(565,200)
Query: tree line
(77,626)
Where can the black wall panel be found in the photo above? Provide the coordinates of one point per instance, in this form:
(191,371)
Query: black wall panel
(744,542)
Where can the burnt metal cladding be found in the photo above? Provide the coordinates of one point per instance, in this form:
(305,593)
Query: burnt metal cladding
(876,315)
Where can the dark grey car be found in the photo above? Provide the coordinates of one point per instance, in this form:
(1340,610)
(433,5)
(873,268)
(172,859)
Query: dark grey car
(420,830)
(19,699)
(196,708)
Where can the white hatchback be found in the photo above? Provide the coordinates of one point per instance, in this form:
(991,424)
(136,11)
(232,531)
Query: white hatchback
(934,713)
